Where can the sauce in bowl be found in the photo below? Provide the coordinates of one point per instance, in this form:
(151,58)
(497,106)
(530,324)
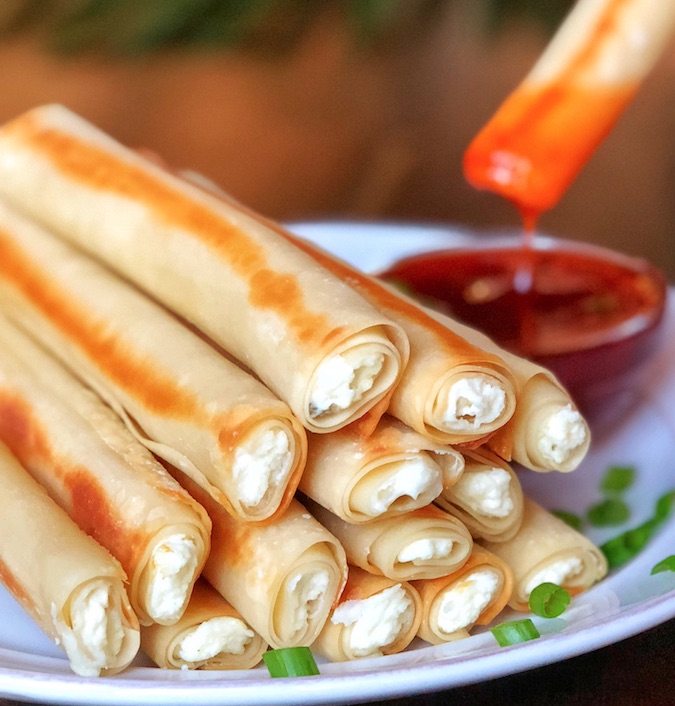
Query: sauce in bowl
(588,314)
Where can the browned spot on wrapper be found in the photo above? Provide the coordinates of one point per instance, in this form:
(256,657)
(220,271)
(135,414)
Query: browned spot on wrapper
(157,393)
(99,169)
(94,512)
(89,506)
(16,588)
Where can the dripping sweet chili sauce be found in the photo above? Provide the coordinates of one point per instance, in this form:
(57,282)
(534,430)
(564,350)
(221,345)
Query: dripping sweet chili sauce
(571,310)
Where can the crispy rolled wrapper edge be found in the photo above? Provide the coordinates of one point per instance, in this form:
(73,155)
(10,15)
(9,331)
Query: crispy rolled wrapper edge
(57,588)
(162,642)
(431,589)
(361,586)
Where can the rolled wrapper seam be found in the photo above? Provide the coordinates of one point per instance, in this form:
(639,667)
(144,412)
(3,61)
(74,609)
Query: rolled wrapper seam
(184,401)
(390,471)
(487,498)
(262,300)
(374,616)
(433,591)
(211,634)
(546,431)
(452,391)
(69,584)
(110,485)
(282,578)
(443,367)
(423,543)
(546,549)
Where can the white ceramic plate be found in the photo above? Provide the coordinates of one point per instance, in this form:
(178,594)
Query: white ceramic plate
(626,603)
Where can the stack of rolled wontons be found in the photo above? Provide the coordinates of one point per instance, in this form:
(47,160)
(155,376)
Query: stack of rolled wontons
(244,442)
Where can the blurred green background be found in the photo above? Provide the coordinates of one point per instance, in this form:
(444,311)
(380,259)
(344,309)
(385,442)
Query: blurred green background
(311,109)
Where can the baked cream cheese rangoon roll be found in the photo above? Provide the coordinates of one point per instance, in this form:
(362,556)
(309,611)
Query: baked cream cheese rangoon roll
(210,635)
(473,595)
(306,334)
(487,497)
(180,396)
(361,477)
(547,432)
(423,543)
(110,485)
(452,390)
(283,578)
(67,582)
(375,616)
(546,549)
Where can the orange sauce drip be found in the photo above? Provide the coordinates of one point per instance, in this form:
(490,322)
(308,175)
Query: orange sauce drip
(542,135)
(537,143)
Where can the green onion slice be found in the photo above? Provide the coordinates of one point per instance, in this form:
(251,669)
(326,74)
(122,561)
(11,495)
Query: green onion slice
(514,632)
(664,506)
(569,518)
(617,479)
(290,662)
(667,564)
(625,546)
(612,511)
(548,600)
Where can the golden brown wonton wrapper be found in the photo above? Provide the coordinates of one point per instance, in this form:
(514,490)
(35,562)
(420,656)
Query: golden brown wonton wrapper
(261,299)
(374,616)
(546,549)
(423,543)
(69,584)
(229,643)
(455,598)
(178,395)
(104,479)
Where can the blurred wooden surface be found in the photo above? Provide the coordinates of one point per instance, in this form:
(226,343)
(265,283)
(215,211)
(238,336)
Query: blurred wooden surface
(335,131)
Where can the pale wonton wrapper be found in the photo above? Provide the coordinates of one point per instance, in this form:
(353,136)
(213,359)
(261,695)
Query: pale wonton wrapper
(179,396)
(105,480)
(546,549)
(261,299)
(211,634)
(69,584)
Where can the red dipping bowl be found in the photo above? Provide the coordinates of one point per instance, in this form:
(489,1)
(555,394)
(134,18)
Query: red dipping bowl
(587,313)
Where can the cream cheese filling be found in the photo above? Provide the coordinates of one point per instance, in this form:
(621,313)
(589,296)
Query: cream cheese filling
(407,485)
(262,465)
(305,595)
(471,403)
(425,550)
(485,492)
(96,633)
(173,566)
(558,572)
(223,635)
(339,383)
(462,604)
(561,433)
(377,621)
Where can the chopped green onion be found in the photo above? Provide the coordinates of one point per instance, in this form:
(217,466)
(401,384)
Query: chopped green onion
(664,506)
(617,479)
(569,518)
(515,631)
(612,511)
(548,600)
(667,564)
(625,546)
(290,662)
